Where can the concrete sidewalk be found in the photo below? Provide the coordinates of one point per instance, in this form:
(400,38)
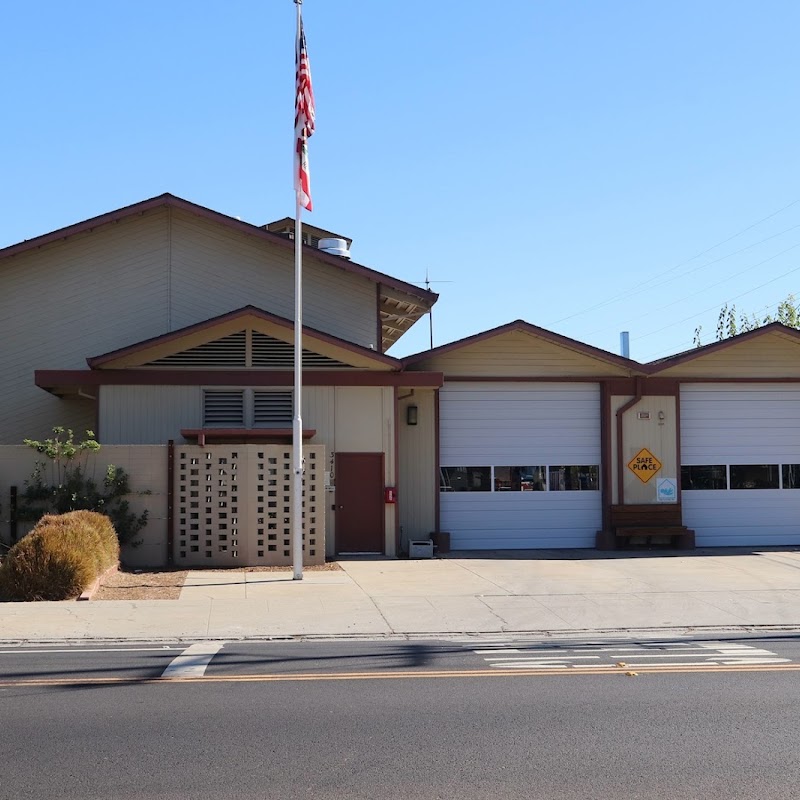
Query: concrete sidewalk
(533,592)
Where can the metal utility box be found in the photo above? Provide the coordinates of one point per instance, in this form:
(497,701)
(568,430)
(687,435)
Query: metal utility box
(422,548)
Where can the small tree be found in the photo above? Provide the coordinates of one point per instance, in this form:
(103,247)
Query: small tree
(731,322)
(60,484)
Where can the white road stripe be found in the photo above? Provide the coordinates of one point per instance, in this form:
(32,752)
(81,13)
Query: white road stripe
(553,658)
(537,665)
(193,661)
(533,651)
(678,655)
(753,652)
(740,661)
(640,648)
(673,664)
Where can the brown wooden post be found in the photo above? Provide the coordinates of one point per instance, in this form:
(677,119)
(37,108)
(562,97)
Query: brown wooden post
(12,515)
(170,503)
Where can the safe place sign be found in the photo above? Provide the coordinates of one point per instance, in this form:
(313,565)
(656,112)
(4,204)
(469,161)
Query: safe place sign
(644,465)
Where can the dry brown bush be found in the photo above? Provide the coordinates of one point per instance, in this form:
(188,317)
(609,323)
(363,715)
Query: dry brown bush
(61,556)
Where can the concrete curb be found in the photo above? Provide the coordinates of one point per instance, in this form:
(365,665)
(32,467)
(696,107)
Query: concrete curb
(90,591)
(611,633)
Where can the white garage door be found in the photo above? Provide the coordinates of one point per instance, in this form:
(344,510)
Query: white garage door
(520,466)
(740,456)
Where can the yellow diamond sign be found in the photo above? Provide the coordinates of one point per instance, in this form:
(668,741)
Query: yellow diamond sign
(644,465)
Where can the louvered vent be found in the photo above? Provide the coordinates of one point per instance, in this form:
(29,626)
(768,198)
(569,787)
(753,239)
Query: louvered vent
(223,409)
(307,237)
(275,354)
(272,409)
(230,351)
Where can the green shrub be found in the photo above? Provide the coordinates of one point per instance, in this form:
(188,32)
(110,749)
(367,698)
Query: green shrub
(61,484)
(60,557)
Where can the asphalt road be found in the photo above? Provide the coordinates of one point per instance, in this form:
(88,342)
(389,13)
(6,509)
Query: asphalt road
(479,719)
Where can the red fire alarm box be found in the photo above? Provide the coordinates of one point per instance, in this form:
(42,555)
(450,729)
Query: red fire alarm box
(390,494)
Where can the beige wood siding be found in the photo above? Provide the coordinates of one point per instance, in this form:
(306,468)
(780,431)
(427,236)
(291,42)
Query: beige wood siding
(148,414)
(659,436)
(155,414)
(216,270)
(69,300)
(769,356)
(418,481)
(516,354)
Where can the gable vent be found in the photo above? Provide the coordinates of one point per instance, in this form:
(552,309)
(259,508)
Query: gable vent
(275,354)
(272,409)
(229,351)
(223,409)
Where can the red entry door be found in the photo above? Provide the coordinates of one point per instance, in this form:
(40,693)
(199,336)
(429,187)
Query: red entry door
(359,503)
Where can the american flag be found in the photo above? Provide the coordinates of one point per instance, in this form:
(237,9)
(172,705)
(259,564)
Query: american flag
(304,114)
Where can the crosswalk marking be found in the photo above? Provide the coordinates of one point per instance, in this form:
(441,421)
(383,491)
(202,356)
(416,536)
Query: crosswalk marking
(629,654)
(194,660)
(561,658)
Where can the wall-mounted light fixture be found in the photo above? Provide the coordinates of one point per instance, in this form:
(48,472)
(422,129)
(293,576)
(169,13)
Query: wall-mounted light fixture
(411,415)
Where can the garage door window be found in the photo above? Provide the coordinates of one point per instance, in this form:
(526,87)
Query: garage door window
(742,476)
(520,479)
(704,477)
(791,476)
(754,476)
(574,479)
(466,479)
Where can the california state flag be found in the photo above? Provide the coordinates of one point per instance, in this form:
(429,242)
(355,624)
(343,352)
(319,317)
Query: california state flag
(304,114)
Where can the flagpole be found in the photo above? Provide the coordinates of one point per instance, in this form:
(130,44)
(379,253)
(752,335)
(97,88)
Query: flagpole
(297,423)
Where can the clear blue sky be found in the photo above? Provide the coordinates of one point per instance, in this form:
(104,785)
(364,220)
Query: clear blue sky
(574,164)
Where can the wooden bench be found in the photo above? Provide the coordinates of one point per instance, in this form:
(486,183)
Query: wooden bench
(681,537)
(648,522)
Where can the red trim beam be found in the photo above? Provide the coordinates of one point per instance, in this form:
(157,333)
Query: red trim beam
(56,380)
(244,434)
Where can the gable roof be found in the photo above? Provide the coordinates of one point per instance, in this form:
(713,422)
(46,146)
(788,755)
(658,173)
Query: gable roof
(772,328)
(401,304)
(158,346)
(533,330)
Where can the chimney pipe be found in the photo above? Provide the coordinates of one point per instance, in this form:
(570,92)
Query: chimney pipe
(625,344)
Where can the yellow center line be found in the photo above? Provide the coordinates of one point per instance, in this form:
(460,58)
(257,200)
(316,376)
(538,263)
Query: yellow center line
(401,675)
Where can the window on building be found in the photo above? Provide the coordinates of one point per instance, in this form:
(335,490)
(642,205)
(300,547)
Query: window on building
(466,479)
(791,476)
(520,479)
(704,477)
(754,476)
(575,478)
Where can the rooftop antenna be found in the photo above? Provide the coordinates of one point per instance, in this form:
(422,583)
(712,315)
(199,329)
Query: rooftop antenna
(428,283)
